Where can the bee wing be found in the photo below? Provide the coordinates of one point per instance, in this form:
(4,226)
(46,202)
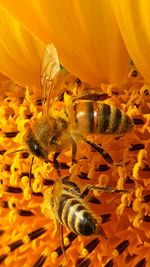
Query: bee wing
(50,67)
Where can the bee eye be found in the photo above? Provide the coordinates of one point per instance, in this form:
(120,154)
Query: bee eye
(35,148)
(53,141)
(38,151)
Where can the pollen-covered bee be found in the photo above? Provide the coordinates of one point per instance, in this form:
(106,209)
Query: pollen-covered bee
(71,120)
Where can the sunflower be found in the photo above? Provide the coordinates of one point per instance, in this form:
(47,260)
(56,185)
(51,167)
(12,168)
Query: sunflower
(105,44)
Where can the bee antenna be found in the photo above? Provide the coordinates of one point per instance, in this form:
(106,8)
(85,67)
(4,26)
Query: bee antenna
(18,150)
(30,172)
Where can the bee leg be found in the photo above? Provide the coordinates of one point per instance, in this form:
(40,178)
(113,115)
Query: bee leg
(94,97)
(74,151)
(99,149)
(56,163)
(108,189)
(62,240)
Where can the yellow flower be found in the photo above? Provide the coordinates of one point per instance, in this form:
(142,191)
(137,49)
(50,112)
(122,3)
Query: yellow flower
(89,38)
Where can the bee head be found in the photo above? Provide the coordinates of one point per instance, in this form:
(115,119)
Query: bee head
(41,137)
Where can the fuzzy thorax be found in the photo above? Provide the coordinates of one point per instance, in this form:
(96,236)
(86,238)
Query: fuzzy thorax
(43,137)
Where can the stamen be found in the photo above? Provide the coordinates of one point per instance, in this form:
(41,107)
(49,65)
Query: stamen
(146,218)
(13,246)
(7,167)
(71,236)
(2,151)
(13,189)
(102,168)
(110,263)
(25,155)
(37,194)
(3,257)
(83,175)
(138,121)
(38,232)
(48,181)
(11,134)
(94,200)
(25,213)
(29,116)
(146,168)
(63,166)
(40,261)
(122,246)
(141,263)
(136,147)
(105,217)
(2,232)
(92,245)
(128,180)
(39,102)
(59,251)
(146,198)
(5,204)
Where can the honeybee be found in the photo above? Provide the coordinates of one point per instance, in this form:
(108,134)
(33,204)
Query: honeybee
(64,203)
(73,120)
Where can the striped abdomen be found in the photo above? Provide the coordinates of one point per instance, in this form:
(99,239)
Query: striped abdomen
(75,215)
(96,117)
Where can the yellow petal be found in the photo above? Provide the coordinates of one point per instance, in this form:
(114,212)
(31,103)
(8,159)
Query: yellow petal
(134,21)
(20,52)
(86,35)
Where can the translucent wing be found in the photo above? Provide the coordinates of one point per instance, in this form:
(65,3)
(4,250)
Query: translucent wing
(49,69)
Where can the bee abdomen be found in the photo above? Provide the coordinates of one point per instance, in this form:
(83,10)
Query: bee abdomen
(110,120)
(86,225)
(73,214)
(96,117)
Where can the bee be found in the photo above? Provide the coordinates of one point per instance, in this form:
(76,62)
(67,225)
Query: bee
(64,203)
(71,120)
